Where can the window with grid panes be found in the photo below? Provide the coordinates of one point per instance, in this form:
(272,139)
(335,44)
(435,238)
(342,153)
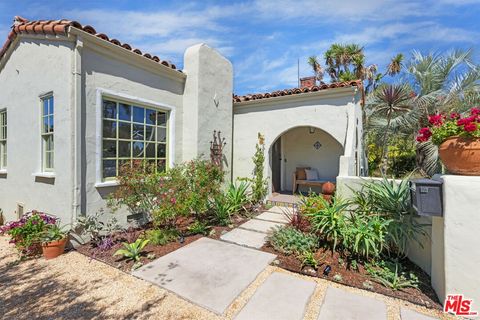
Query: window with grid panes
(3,139)
(47,133)
(131,132)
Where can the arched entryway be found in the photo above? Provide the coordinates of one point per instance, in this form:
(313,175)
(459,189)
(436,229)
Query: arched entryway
(303,147)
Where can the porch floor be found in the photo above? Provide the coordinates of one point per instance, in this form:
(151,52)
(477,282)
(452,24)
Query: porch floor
(283,197)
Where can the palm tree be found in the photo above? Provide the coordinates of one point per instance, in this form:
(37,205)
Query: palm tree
(385,104)
(395,65)
(317,68)
(440,83)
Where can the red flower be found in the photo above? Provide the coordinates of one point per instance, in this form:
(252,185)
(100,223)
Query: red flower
(454,115)
(465,121)
(470,127)
(436,119)
(424,134)
(475,111)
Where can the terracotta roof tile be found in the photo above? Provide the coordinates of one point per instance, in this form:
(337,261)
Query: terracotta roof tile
(279,93)
(61,27)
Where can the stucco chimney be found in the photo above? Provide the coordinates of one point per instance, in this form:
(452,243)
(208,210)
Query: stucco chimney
(307,82)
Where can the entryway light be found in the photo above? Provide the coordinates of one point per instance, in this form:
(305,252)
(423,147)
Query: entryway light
(311,130)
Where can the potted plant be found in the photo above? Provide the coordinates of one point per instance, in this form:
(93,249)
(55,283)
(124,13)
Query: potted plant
(26,232)
(53,241)
(458,139)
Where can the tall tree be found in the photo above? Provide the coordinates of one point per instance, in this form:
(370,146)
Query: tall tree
(317,68)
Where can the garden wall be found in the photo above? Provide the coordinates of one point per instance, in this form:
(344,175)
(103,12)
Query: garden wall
(455,240)
(420,256)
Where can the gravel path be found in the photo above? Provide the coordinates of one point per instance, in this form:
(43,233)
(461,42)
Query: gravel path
(75,287)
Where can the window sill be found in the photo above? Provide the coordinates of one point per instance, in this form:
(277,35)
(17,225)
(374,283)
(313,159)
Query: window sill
(106,184)
(47,175)
(3,172)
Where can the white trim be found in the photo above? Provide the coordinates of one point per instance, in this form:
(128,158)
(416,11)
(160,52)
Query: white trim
(106,184)
(3,171)
(49,175)
(135,100)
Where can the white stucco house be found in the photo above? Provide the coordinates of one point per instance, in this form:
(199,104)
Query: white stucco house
(75,104)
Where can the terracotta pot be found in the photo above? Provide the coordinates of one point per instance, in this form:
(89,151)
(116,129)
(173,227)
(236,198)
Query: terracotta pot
(328,188)
(54,249)
(461,155)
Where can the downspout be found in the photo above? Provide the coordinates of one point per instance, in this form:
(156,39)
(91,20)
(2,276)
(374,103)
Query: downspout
(76,116)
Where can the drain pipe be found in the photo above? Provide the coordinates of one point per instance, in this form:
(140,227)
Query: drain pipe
(76,112)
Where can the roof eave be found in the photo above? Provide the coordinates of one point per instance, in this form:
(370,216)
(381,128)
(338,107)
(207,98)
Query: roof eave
(326,93)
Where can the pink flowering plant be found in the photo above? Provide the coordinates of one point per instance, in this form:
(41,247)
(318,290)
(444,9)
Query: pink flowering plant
(442,126)
(27,232)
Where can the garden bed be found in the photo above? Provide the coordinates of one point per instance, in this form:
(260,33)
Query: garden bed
(424,295)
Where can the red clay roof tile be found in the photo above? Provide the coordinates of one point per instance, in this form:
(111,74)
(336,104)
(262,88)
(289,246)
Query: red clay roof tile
(61,27)
(259,96)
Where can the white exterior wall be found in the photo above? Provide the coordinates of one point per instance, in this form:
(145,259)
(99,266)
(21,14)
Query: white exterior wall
(37,66)
(117,78)
(298,151)
(207,103)
(455,240)
(327,110)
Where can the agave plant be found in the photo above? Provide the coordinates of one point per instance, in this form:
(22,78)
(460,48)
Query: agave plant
(237,195)
(132,251)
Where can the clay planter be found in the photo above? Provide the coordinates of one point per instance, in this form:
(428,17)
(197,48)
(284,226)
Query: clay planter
(461,155)
(54,249)
(328,188)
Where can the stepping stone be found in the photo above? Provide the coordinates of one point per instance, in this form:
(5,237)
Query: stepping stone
(275,217)
(260,225)
(247,238)
(345,305)
(280,297)
(210,273)
(282,210)
(408,314)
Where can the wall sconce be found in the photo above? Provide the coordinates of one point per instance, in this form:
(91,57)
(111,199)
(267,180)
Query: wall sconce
(311,130)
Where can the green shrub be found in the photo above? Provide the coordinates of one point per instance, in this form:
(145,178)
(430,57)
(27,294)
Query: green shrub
(221,209)
(258,181)
(183,190)
(161,237)
(237,195)
(329,220)
(132,251)
(391,275)
(308,260)
(289,240)
(198,227)
(390,202)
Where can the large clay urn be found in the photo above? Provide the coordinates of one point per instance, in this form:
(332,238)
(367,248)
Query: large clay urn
(328,188)
(461,155)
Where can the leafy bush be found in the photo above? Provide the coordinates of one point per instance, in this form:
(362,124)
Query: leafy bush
(292,241)
(161,237)
(308,260)
(222,209)
(328,220)
(198,227)
(183,190)
(132,251)
(237,195)
(388,201)
(391,275)
(26,233)
(93,226)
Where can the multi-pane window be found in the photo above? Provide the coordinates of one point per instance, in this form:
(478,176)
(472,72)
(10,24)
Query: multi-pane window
(132,133)
(3,139)
(47,133)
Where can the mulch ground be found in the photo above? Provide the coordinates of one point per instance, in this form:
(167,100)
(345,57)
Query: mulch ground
(424,295)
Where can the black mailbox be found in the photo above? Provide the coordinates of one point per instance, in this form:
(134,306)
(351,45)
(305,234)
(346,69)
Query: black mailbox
(426,197)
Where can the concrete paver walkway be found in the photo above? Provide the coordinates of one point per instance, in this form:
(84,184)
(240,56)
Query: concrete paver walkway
(253,233)
(281,297)
(208,272)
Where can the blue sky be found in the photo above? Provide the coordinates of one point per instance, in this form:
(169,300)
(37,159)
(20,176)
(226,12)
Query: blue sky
(265,38)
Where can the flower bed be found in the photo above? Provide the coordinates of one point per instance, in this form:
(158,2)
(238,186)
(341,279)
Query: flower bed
(360,242)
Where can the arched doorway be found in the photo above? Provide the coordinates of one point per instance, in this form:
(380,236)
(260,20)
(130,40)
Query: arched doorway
(303,147)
